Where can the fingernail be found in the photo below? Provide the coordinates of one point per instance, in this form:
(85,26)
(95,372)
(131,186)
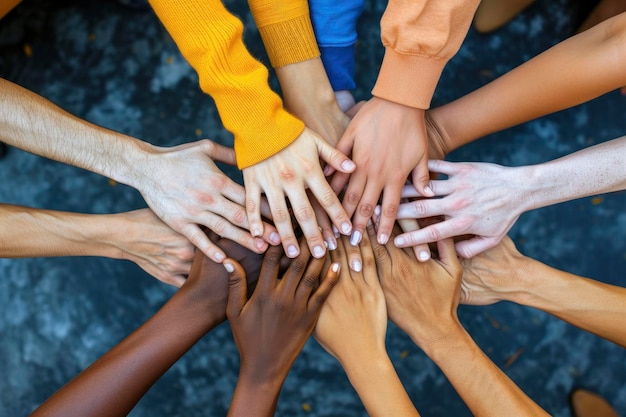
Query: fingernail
(332,245)
(275,238)
(318,251)
(356,265)
(219,257)
(355,238)
(424,255)
(399,241)
(377,210)
(346,228)
(229,268)
(292,251)
(335,231)
(256,232)
(260,244)
(428,192)
(326,170)
(383,239)
(335,267)
(348,165)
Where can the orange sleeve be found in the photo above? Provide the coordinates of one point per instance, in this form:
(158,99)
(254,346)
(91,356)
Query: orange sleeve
(7,5)
(419,38)
(286,29)
(210,39)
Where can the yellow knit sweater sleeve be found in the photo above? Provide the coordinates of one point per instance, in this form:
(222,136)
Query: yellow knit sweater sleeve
(286,29)
(210,39)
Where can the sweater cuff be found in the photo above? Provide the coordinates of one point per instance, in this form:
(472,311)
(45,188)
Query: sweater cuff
(290,41)
(408,79)
(280,131)
(339,65)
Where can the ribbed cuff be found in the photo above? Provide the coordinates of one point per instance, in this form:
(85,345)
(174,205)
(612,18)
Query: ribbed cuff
(290,41)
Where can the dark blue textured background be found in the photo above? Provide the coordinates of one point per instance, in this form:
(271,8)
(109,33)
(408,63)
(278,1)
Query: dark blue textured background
(118,68)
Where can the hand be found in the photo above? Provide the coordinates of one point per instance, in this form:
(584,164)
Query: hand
(160,251)
(208,281)
(422,298)
(387,141)
(354,317)
(493,275)
(286,175)
(271,328)
(185,188)
(480,199)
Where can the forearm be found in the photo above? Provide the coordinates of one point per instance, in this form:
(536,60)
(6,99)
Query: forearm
(572,72)
(114,384)
(378,386)
(591,171)
(36,125)
(476,378)
(29,232)
(590,305)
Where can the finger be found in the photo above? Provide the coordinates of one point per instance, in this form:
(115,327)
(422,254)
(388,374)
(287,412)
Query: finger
(365,210)
(311,278)
(334,157)
(253,205)
(448,258)
(269,269)
(422,252)
(329,202)
(445,167)
(433,233)
(200,240)
(320,295)
(221,153)
(282,222)
(381,255)
(305,216)
(353,255)
(419,209)
(237,288)
(421,177)
(354,191)
(472,247)
(346,142)
(370,276)
(352,111)
(297,268)
(324,224)
(439,187)
(338,182)
(388,212)
(270,234)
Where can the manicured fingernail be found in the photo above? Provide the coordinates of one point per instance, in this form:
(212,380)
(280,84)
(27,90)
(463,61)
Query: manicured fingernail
(346,228)
(428,192)
(424,255)
(356,265)
(260,243)
(275,238)
(332,245)
(292,251)
(229,268)
(219,257)
(256,232)
(355,238)
(348,165)
(335,267)
(383,239)
(399,241)
(318,251)
(377,210)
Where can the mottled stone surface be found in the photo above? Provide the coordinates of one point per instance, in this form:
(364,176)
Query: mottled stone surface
(117,67)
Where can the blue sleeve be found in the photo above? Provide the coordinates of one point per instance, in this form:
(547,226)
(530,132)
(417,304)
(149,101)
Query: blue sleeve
(334,23)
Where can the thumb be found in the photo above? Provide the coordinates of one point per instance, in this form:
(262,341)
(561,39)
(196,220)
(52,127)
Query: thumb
(221,153)
(237,288)
(334,157)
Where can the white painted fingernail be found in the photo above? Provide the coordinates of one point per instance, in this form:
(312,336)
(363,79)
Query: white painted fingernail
(256,232)
(335,267)
(424,255)
(335,231)
(332,245)
(348,165)
(399,241)
(219,257)
(275,238)
(345,228)
(318,251)
(377,210)
(428,192)
(356,265)
(355,238)
(383,239)
(292,251)
(229,268)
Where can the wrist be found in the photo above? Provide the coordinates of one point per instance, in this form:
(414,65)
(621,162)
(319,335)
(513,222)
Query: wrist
(129,165)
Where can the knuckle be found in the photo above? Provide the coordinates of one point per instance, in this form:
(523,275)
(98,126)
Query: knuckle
(239,216)
(381,254)
(206,198)
(304,213)
(419,207)
(251,205)
(390,211)
(353,198)
(281,215)
(272,257)
(218,182)
(287,175)
(327,198)
(460,204)
(219,226)
(309,281)
(366,210)
(432,233)
(297,265)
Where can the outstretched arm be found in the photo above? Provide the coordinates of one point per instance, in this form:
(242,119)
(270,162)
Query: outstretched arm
(271,328)
(422,299)
(114,384)
(486,199)
(502,273)
(138,236)
(181,184)
(352,327)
